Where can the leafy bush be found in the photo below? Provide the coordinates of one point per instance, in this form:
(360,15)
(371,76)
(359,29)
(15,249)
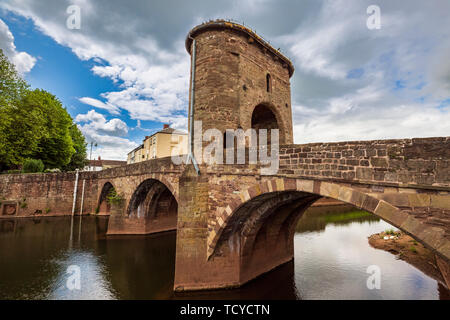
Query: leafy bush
(113,197)
(14,171)
(33,165)
(390,232)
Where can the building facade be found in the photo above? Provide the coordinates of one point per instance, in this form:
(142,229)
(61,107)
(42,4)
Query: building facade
(100,164)
(164,143)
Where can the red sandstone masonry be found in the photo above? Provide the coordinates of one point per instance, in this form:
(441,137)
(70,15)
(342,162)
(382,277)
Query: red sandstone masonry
(420,163)
(47,193)
(414,162)
(231,70)
(52,193)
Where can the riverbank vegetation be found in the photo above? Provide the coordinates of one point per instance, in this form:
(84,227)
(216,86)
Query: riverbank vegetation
(317,218)
(34,126)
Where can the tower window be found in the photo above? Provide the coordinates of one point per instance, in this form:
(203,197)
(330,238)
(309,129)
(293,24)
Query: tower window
(268,83)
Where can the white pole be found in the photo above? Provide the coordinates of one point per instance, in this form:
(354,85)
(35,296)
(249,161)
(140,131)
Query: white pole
(75,193)
(73,209)
(82,196)
(81,210)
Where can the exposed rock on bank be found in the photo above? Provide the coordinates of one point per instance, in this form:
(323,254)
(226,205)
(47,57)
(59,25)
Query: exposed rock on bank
(413,252)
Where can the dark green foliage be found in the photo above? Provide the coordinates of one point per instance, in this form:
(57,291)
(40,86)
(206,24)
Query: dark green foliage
(21,128)
(55,146)
(79,158)
(33,166)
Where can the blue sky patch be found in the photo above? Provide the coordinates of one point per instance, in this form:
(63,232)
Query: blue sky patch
(355,73)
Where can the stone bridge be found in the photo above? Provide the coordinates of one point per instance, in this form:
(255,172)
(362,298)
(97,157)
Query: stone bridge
(234,224)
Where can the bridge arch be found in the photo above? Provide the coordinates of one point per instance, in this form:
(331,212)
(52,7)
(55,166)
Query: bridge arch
(261,220)
(103,207)
(153,208)
(151,198)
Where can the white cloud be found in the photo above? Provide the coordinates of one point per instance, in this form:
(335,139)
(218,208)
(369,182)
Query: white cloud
(107,134)
(154,79)
(98,104)
(97,122)
(366,121)
(401,73)
(344,86)
(439,74)
(22,60)
(108,147)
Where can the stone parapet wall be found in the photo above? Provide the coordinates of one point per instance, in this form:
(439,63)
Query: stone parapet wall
(47,194)
(52,194)
(423,162)
(160,165)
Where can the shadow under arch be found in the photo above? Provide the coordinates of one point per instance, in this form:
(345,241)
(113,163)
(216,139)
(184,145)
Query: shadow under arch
(259,223)
(103,207)
(155,204)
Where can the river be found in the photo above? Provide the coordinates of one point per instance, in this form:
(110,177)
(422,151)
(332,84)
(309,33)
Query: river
(332,255)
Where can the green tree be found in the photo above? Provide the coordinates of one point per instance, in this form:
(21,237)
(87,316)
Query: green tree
(32,166)
(79,158)
(12,86)
(55,147)
(17,128)
(21,129)
(34,124)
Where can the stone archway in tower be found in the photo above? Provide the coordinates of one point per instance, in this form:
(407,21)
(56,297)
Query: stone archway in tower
(264,118)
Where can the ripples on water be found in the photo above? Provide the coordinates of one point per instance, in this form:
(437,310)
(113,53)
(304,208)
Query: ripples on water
(331,258)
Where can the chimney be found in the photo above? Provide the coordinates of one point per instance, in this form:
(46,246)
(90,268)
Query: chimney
(166,126)
(99,159)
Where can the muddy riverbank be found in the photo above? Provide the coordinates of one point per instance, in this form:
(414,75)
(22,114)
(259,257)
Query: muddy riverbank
(407,249)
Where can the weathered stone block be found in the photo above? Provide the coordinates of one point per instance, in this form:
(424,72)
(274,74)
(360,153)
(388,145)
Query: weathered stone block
(364,173)
(305,185)
(419,200)
(390,213)
(329,190)
(378,162)
(440,201)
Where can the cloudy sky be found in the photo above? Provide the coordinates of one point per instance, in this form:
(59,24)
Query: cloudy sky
(126,71)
